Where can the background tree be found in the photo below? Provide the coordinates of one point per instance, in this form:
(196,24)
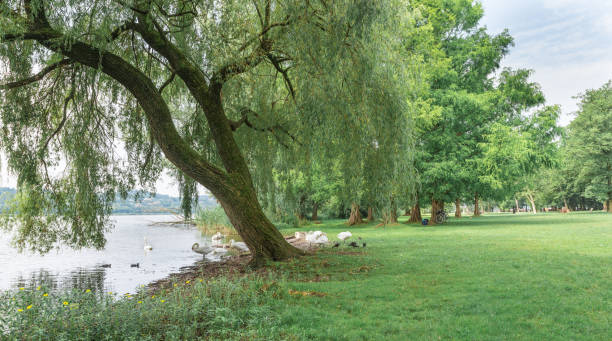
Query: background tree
(589,146)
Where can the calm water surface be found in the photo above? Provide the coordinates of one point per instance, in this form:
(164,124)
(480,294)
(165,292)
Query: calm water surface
(66,268)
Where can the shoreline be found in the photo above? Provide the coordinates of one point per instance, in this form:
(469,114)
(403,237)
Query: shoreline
(202,269)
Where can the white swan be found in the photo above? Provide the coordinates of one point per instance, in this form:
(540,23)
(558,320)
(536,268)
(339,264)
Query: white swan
(344,235)
(216,254)
(147,246)
(300,235)
(201,249)
(217,237)
(240,246)
(317,237)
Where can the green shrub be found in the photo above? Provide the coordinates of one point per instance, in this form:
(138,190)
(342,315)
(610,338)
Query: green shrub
(219,309)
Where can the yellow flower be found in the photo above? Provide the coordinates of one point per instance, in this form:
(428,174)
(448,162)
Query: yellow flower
(201,280)
(29,307)
(21,288)
(45,294)
(139,302)
(174,284)
(187,282)
(38,287)
(88,290)
(19,310)
(65,303)
(162,301)
(153,296)
(110,292)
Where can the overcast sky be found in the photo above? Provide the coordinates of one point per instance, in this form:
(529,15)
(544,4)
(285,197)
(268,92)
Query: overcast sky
(568,43)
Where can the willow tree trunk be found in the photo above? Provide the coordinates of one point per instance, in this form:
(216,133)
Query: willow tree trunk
(457,208)
(370,213)
(260,235)
(393,214)
(476,206)
(355,217)
(415,214)
(315,211)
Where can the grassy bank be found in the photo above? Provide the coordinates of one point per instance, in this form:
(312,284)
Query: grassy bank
(497,277)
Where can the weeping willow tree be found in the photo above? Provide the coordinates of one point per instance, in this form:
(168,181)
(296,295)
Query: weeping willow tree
(99,96)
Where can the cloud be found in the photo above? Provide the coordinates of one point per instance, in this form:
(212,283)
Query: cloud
(566,42)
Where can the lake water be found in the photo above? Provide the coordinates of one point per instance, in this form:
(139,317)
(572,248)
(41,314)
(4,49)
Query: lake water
(67,268)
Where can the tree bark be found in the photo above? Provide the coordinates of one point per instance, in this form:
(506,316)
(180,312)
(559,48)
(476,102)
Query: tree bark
(355,217)
(457,208)
(436,205)
(315,211)
(370,213)
(233,186)
(517,205)
(476,207)
(393,213)
(415,214)
(532,202)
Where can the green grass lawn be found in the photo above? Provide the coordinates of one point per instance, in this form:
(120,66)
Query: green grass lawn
(527,277)
(504,277)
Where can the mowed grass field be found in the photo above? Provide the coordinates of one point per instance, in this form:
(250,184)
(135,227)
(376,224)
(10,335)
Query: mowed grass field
(505,277)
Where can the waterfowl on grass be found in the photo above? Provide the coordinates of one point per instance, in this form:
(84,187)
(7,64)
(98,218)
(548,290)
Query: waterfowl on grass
(216,254)
(240,246)
(317,237)
(201,249)
(217,237)
(343,236)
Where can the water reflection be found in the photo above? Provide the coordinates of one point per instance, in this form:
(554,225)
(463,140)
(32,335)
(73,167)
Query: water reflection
(79,279)
(84,269)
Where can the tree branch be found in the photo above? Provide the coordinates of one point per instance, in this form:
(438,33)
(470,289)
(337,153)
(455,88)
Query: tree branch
(167,82)
(240,66)
(176,149)
(272,129)
(36,77)
(277,65)
(69,98)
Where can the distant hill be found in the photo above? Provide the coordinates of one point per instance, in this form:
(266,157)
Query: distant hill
(159,203)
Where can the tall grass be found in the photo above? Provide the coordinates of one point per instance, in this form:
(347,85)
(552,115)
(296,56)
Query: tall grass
(219,309)
(213,219)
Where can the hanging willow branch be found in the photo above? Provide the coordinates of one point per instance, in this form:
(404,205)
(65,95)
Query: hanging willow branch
(37,77)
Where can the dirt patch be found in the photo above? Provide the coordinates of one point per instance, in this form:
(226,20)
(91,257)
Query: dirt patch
(231,267)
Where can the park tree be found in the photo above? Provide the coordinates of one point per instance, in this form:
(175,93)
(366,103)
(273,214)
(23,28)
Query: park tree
(589,146)
(465,95)
(203,84)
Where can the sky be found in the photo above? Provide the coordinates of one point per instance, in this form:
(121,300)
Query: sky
(568,44)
